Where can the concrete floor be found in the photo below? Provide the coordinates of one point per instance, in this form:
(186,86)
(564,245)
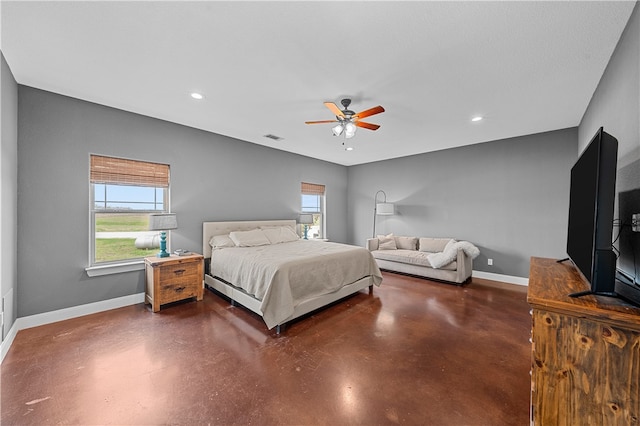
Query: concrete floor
(413,352)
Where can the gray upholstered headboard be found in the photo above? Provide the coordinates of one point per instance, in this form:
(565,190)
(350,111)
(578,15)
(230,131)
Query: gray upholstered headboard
(209,229)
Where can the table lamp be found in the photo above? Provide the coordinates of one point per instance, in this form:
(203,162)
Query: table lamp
(306,220)
(163,222)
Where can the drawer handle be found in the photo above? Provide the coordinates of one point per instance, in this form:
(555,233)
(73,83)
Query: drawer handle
(179,271)
(179,289)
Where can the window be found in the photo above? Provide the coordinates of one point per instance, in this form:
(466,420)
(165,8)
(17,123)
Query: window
(123,193)
(312,201)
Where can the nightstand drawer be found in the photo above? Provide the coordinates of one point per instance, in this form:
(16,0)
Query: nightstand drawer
(180,273)
(177,290)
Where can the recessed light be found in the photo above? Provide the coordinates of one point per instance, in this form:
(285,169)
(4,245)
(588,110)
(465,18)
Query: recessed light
(477,118)
(196,95)
(349,148)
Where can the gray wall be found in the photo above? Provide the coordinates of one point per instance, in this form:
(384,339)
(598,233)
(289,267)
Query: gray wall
(508,197)
(8,192)
(212,178)
(616,101)
(615,105)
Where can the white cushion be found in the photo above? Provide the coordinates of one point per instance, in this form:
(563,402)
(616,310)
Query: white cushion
(386,242)
(411,257)
(407,243)
(221,241)
(433,245)
(255,237)
(279,234)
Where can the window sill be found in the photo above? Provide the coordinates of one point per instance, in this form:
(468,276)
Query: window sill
(115,268)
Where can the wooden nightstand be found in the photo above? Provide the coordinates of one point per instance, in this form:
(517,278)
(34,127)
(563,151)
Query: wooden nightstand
(169,279)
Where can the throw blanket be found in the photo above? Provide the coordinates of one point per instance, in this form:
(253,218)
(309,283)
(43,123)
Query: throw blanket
(450,252)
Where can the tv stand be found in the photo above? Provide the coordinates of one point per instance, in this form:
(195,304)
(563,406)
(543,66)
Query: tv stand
(584,352)
(595,293)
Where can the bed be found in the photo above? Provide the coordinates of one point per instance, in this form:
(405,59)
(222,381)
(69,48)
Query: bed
(284,278)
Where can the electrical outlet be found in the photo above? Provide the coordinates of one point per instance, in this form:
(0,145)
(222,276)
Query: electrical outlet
(490,262)
(635,222)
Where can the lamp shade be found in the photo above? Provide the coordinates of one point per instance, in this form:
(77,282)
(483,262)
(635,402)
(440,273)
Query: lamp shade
(305,219)
(385,209)
(349,130)
(162,221)
(337,130)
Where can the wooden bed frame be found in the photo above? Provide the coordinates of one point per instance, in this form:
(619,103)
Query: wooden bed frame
(236,294)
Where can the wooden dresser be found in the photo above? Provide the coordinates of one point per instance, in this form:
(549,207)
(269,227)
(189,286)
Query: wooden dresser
(174,278)
(585,351)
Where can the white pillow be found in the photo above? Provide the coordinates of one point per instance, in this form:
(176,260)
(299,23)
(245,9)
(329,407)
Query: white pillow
(221,241)
(386,242)
(407,243)
(252,238)
(279,234)
(433,245)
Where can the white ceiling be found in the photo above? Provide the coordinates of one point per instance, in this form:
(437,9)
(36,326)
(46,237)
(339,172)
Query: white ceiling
(267,67)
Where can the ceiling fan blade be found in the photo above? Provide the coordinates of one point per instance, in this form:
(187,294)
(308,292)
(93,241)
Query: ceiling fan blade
(370,111)
(367,125)
(334,109)
(321,122)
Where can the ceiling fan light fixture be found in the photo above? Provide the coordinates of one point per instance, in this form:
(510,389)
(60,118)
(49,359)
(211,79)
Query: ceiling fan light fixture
(348,121)
(349,130)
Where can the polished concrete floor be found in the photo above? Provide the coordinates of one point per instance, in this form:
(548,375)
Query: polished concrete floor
(413,352)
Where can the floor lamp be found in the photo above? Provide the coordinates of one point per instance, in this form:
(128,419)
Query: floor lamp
(383,208)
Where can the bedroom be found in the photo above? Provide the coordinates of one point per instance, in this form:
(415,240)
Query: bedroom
(505,179)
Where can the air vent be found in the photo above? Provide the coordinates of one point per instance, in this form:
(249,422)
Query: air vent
(274,137)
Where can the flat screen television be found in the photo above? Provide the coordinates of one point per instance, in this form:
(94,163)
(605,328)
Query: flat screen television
(591,214)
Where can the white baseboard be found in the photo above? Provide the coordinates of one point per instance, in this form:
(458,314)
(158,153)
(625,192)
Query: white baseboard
(8,340)
(65,314)
(499,277)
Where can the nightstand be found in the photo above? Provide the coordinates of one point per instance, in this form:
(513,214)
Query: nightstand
(173,278)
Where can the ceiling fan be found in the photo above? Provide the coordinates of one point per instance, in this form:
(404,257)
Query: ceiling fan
(348,120)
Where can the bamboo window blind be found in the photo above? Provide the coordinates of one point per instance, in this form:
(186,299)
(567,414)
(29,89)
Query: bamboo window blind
(312,189)
(120,171)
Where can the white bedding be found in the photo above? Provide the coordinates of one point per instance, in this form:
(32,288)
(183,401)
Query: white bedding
(283,275)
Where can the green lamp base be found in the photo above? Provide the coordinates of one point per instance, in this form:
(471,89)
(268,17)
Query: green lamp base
(163,245)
